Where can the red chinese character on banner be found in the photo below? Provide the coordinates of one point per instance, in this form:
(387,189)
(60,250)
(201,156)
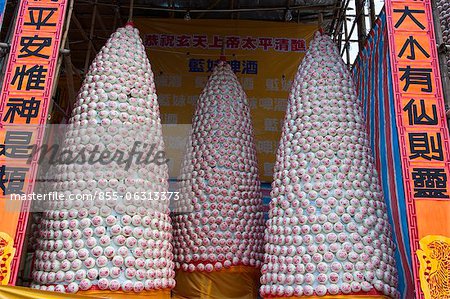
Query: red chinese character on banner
(200,41)
(249,43)
(151,40)
(265,43)
(232,42)
(217,42)
(167,41)
(183,41)
(298,45)
(282,44)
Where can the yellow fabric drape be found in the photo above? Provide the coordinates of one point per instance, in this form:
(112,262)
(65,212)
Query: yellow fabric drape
(336,297)
(7,252)
(11,292)
(238,282)
(159,294)
(432,255)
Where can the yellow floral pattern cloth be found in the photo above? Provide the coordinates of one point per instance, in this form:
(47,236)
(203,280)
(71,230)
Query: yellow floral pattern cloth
(434,272)
(6,256)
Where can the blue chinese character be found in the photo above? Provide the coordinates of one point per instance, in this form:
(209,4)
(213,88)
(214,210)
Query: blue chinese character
(196,65)
(235,66)
(250,67)
(211,64)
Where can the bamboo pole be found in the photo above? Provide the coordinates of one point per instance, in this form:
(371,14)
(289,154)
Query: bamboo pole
(130,12)
(347,37)
(361,22)
(372,13)
(91,36)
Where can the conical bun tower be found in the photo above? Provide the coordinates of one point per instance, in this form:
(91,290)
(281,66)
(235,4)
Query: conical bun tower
(328,232)
(115,239)
(218,233)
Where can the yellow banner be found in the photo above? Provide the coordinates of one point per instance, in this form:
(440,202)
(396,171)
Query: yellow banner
(264,56)
(434,256)
(9,292)
(236,282)
(6,255)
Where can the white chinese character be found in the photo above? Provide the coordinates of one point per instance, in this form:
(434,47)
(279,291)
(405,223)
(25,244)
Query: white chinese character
(286,85)
(162,80)
(271,124)
(164,99)
(179,100)
(247,83)
(200,81)
(266,103)
(170,118)
(280,104)
(252,103)
(181,142)
(265,146)
(175,81)
(268,169)
(170,165)
(191,100)
(272,85)
(174,143)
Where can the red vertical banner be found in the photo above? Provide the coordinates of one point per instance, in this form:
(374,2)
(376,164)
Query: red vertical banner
(424,140)
(25,97)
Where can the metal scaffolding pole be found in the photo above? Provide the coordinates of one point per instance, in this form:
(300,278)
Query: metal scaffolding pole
(347,44)
(349,35)
(340,39)
(372,12)
(69,80)
(336,14)
(341,19)
(361,22)
(91,36)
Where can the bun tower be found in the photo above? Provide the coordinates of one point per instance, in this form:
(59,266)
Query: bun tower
(115,242)
(328,232)
(218,231)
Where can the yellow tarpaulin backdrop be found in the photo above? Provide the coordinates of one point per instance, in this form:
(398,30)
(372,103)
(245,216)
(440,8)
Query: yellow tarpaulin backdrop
(236,283)
(216,285)
(10,292)
(337,297)
(264,55)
